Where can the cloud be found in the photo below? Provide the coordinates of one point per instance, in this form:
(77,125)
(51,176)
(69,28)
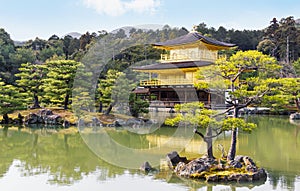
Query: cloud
(119,7)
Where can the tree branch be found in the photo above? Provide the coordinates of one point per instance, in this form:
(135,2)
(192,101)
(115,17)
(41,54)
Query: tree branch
(237,75)
(205,137)
(199,133)
(222,113)
(251,99)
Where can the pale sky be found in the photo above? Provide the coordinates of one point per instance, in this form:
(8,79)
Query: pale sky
(27,19)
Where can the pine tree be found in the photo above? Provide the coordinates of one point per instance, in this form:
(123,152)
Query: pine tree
(59,81)
(10,99)
(30,82)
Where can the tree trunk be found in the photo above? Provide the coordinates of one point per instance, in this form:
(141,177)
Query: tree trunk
(209,143)
(297,104)
(66,142)
(232,149)
(208,140)
(36,103)
(107,112)
(66,103)
(5,119)
(100,107)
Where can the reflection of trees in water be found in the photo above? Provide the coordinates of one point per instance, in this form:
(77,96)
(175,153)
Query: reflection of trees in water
(64,156)
(297,124)
(274,145)
(286,181)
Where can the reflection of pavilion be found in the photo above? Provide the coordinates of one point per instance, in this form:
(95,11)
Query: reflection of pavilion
(171,81)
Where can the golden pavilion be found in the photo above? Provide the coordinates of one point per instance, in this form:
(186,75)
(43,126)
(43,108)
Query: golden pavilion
(171,80)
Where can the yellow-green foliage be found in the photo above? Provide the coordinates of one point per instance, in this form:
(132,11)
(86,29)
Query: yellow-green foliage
(194,114)
(231,123)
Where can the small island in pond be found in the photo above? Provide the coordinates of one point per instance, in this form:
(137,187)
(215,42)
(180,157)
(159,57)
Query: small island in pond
(241,169)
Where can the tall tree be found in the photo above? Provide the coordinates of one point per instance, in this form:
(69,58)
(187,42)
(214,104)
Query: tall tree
(108,89)
(59,81)
(30,82)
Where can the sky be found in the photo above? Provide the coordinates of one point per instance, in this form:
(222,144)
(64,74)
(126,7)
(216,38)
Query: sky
(28,19)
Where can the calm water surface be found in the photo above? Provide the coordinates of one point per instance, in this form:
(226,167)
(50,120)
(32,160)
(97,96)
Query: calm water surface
(48,159)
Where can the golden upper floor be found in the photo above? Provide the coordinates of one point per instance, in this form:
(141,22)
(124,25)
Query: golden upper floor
(191,47)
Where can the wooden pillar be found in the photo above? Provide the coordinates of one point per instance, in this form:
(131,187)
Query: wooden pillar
(149,96)
(159,95)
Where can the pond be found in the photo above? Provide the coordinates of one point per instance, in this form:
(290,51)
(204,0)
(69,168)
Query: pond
(63,159)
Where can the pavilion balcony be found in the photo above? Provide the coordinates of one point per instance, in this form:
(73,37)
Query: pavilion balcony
(209,57)
(166,82)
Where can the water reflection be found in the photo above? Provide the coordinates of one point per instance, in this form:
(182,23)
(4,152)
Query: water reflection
(62,155)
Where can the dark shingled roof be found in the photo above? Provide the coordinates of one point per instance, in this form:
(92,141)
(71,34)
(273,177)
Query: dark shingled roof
(175,65)
(193,37)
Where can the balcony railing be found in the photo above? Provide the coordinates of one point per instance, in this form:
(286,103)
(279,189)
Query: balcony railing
(166,82)
(210,57)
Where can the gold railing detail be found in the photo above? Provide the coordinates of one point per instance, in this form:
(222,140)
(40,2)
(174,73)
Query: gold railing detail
(211,57)
(166,82)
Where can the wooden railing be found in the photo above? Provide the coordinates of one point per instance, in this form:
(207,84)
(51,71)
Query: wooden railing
(164,58)
(166,82)
(171,104)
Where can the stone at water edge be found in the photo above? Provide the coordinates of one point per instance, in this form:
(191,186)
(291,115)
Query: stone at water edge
(146,167)
(173,158)
(295,116)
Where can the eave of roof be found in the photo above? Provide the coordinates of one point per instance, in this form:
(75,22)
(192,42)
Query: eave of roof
(141,91)
(176,65)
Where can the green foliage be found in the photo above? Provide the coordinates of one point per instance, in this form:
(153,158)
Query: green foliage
(248,75)
(7,48)
(193,114)
(23,55)
(290,90)
(231,123)
(196,115)
(137,105)
(260,69)
(30,82)
(296,66)
(266,46)
(115,90)
(278,35)
(107,85)
(59,81)
(10,99)
(50,52)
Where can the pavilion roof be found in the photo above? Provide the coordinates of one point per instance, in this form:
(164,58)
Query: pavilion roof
(193,37)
